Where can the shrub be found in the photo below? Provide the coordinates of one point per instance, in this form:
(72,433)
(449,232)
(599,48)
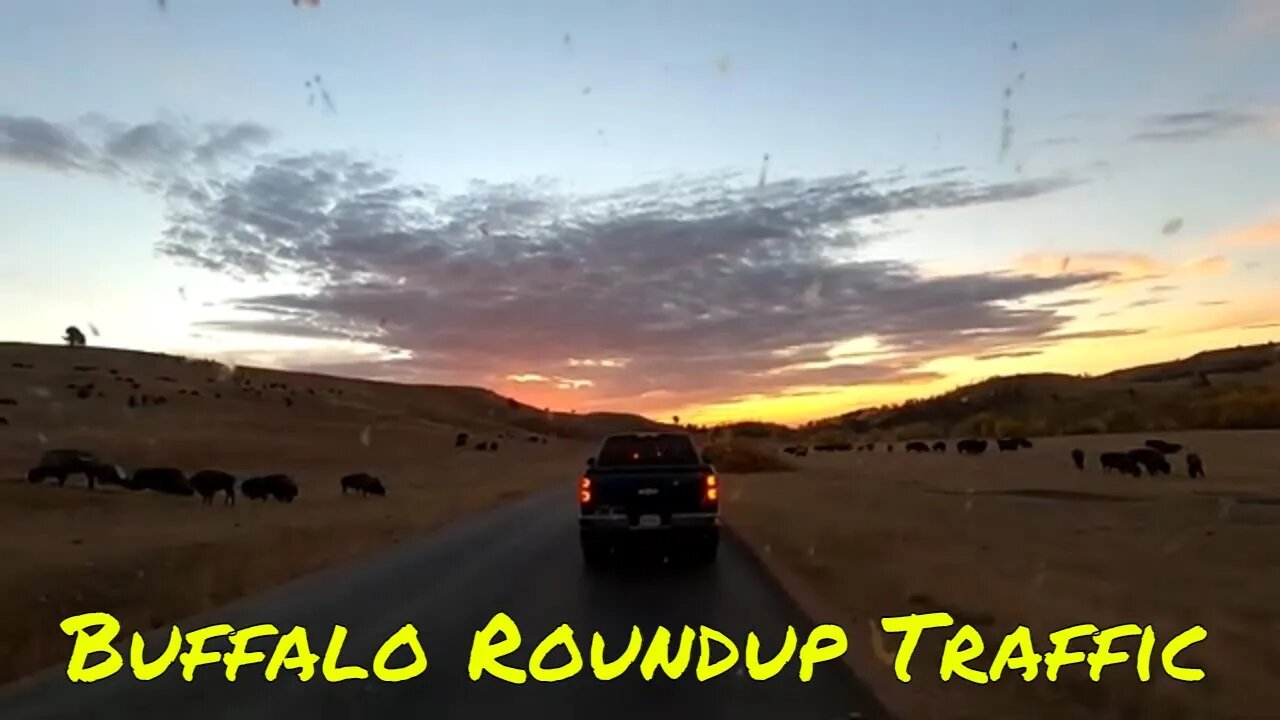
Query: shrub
(739,457)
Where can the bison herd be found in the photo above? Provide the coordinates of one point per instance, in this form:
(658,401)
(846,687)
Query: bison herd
(208,484)
(1153,457)
(970,446)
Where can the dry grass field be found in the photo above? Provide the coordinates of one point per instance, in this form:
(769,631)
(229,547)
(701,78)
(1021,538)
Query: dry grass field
(1008,539)
(153,559)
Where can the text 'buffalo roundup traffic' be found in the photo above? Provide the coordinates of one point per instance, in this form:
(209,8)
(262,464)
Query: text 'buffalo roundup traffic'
(94,657)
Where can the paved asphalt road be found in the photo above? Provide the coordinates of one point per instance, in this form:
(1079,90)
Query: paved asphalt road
(522,559)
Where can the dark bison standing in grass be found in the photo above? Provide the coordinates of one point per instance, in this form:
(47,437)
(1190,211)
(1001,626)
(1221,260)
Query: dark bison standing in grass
(278,486)
(170,481)
(1012,444)
(1077,457)
(940,447)
(1195,466)
(255,488)
(1153,461)
(917,446)
(282,487)
(460,440)
(363,483)
(1122,462)
(211,482)
(971,446)
(60,464)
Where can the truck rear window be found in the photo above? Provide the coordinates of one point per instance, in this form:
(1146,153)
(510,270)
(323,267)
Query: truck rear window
(631,450)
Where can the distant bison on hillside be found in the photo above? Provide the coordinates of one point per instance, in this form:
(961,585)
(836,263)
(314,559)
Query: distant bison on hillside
(60,464)
(211,482)
(1077,457)
(1120,461)
(940,447)
(1012,444)
(1195,466)
(279,486)
(917,446)
(1152,461)
(363,483)
(971,446)
(170,481)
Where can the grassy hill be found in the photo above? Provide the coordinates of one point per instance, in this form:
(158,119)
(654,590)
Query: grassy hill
(1232,388)
(32,374)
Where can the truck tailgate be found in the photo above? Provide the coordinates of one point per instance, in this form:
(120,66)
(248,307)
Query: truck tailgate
(648,490)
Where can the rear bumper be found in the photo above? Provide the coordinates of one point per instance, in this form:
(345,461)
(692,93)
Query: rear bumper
(677,527)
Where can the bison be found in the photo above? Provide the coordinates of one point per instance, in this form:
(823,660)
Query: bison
(971,446)
(1012,444)
(917,446)
(170,481)
(59,464)
(363,483)
(939,447)
(1077,457)
(1152,461)
(1120,461)
(282,487)
(210,482)
(255,488)
(1195,466)
(482,445)
(460,440)
(1166,448)
(278,485)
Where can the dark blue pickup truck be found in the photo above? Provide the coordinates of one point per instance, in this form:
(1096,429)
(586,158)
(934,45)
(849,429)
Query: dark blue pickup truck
(649,489)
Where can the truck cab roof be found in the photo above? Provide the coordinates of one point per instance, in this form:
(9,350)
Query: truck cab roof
(647,449)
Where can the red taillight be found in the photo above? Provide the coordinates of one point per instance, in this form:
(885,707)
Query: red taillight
(710,490)
(584,490)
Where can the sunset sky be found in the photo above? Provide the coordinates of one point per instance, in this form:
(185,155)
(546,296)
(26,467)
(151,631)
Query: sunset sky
(569,202)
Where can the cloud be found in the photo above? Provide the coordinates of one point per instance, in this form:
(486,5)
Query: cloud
(1263,234)
(562,383)
(1009,354)
(1199,125)
(1146,302)
(32,141)
(1119,267)
(147,150)
(686,288)
(1248,22)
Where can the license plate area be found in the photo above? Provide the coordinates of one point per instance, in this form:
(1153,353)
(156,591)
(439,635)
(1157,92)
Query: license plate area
(649,521)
